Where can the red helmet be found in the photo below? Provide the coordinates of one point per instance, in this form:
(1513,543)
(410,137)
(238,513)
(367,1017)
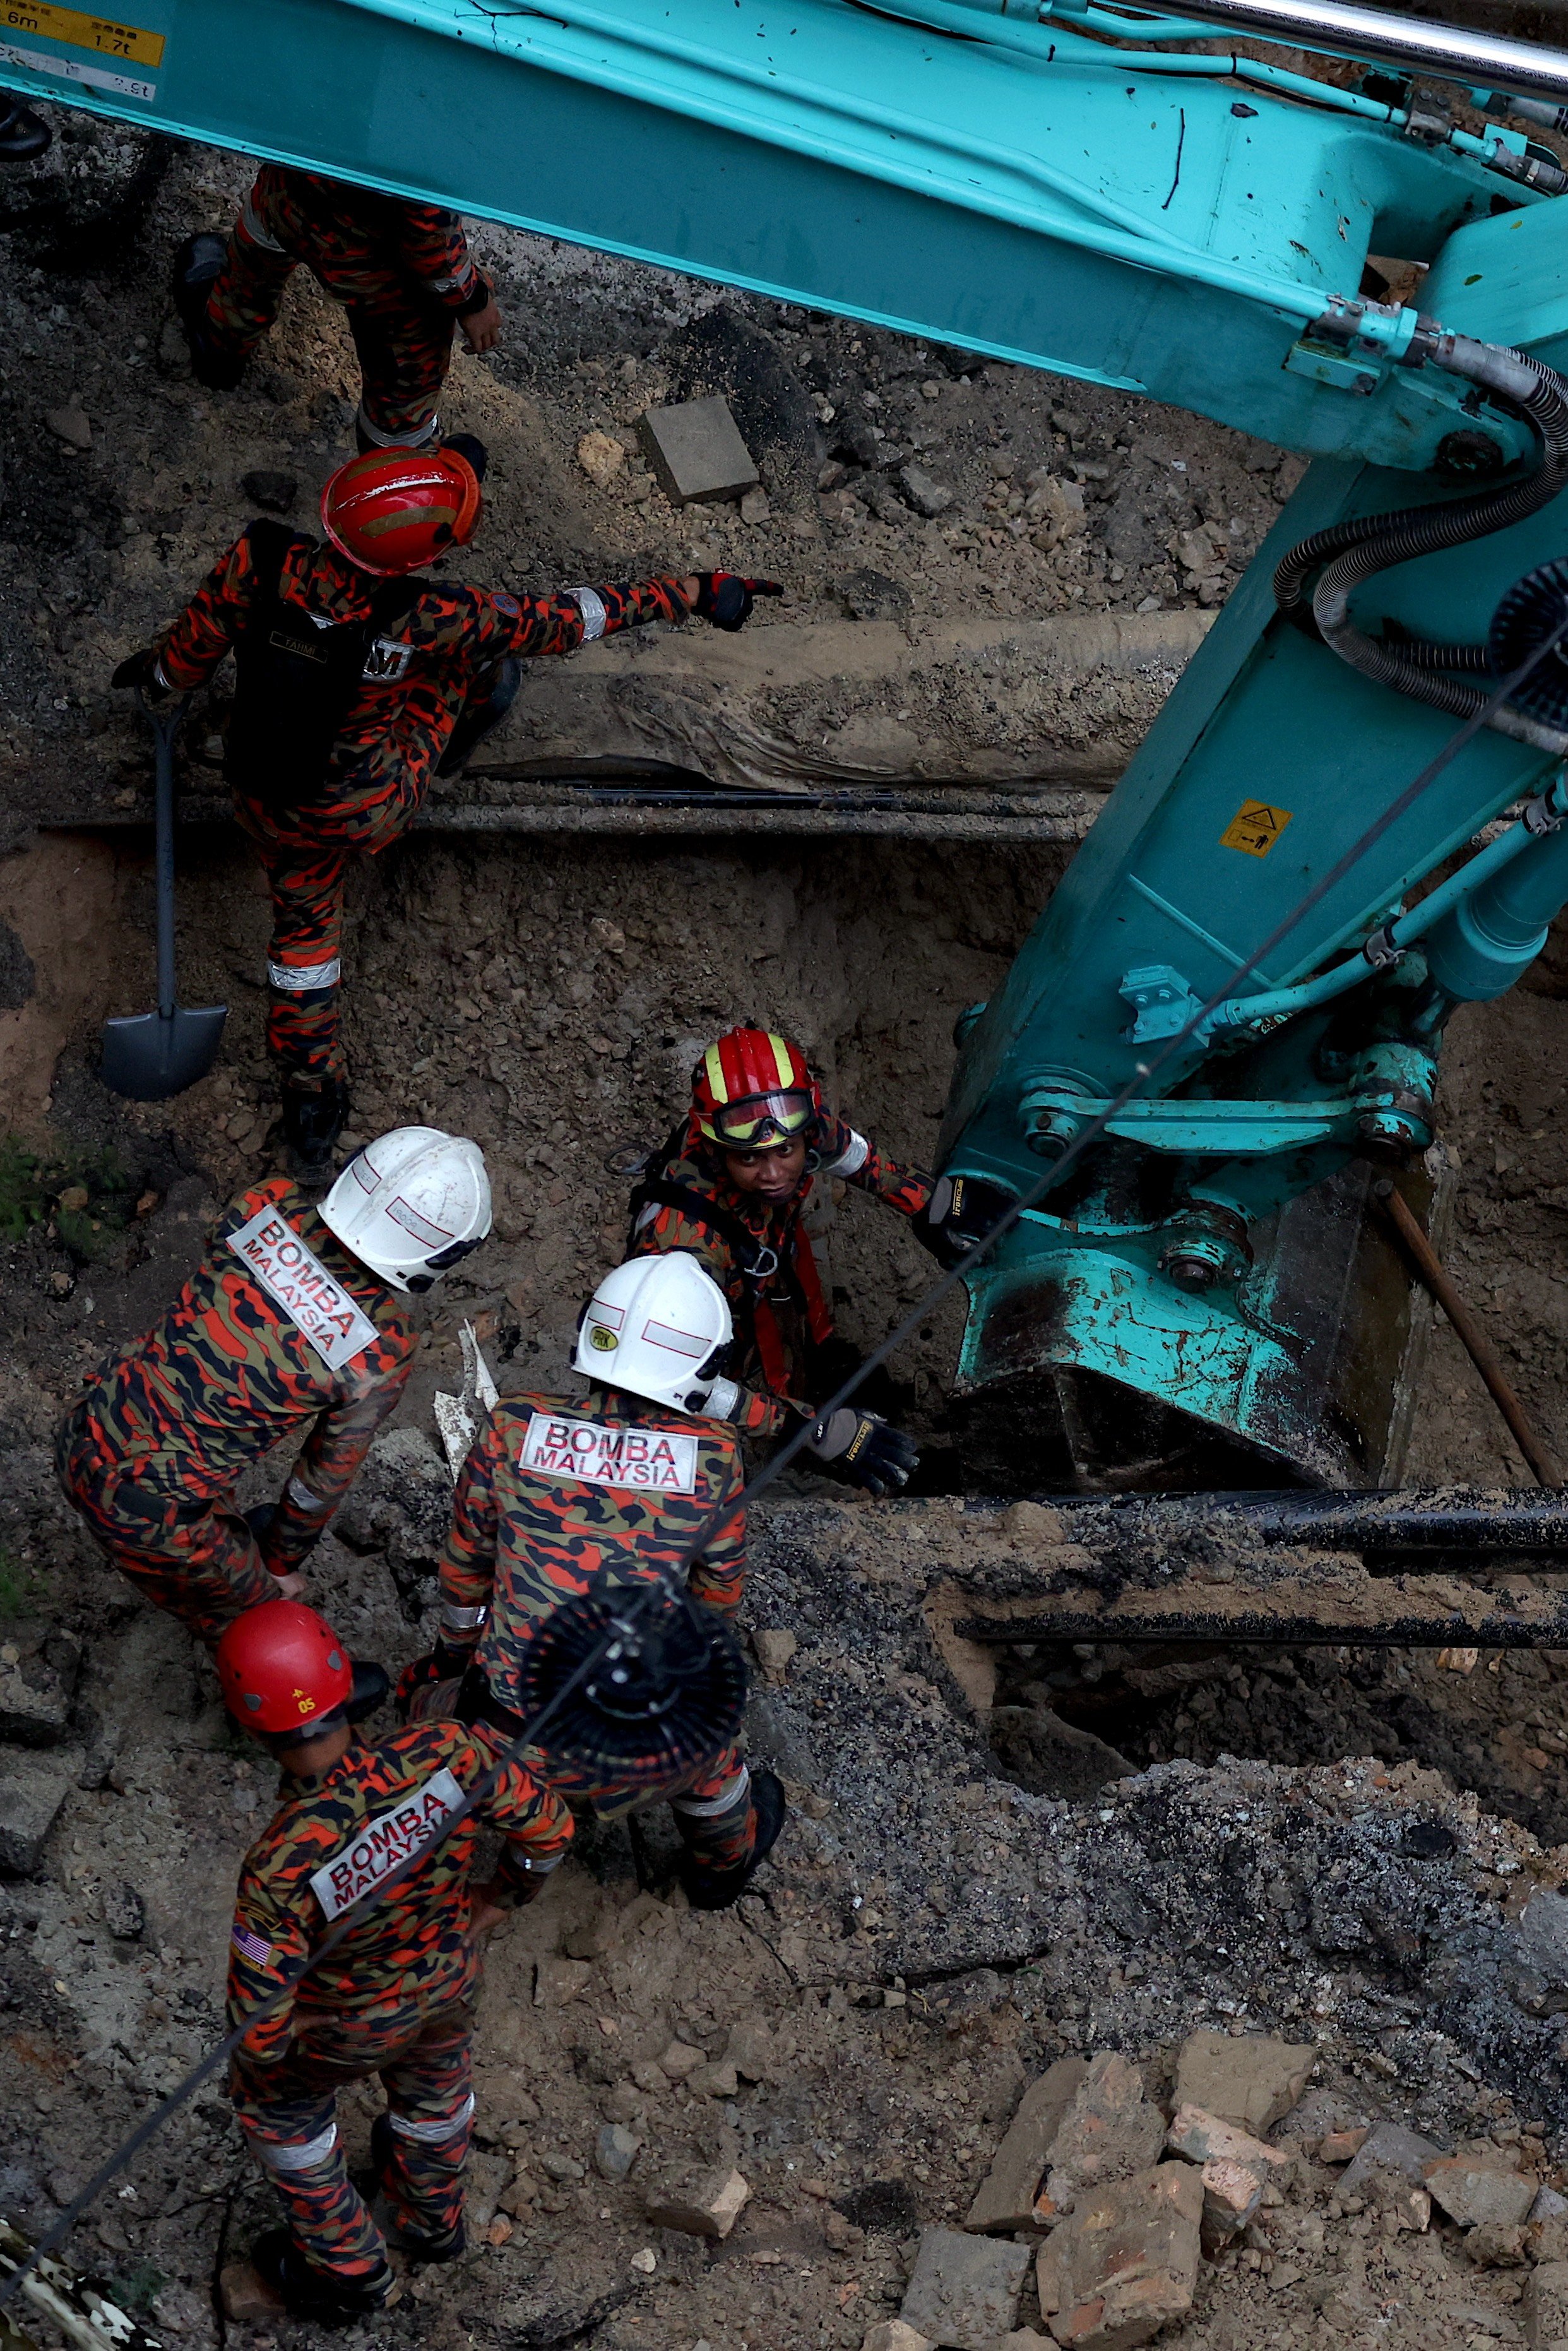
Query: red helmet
(753,1089)
(283,1668)
(392,510)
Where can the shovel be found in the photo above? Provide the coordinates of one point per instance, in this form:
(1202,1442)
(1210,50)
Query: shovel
(149,1056)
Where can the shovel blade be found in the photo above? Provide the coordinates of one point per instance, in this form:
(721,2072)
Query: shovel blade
(150,1055)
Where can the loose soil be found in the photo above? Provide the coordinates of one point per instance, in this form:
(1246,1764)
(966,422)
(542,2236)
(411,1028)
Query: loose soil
(932,1932)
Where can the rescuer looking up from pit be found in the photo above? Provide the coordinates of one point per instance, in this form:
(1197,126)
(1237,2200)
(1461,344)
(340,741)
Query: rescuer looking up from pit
(561,1501)
(730,1187)
(296,1323)
(401,270)
(396,1997)
(356,682)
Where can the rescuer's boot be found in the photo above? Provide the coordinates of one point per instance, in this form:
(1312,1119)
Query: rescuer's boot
(312,1122)
(717,1889)
(311,2293)
(197,265)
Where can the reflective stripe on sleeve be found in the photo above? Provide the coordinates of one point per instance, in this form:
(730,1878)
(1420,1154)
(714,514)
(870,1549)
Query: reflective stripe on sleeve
(591,604)
(851,1160)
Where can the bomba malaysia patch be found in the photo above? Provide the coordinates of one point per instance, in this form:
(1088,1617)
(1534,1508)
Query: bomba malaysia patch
(384,1843)
(291,1273)
(645,1460)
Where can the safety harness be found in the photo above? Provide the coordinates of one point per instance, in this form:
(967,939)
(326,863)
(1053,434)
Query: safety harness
(298,674)
(756,1262)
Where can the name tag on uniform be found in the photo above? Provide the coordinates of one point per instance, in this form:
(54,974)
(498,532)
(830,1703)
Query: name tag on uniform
(650,1461)
(272,1252)
(384,1843)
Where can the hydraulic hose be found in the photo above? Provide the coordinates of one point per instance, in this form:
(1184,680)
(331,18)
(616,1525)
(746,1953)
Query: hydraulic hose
(1351,552)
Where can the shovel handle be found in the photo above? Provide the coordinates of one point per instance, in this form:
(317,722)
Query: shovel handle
(165,725)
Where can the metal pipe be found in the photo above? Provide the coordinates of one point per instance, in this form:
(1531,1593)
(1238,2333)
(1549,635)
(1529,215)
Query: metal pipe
(1442,51)
(1471,1337)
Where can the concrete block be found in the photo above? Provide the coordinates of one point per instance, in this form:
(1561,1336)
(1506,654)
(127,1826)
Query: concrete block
(1545,2309)
(1126,2263)
(1388,2148)
(1006,2200)
(1110,2131)
(39,1668)
(696,452)
(33,1787)
(1236,2169)
(1252,2080)
(1474,2189)
(892,2335)
(705,2207)
(965,2290)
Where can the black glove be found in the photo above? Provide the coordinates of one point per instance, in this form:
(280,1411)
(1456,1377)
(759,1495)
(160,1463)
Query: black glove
(863,1450)
(961,1210)
(725,599)
(443,1664)
(139,669)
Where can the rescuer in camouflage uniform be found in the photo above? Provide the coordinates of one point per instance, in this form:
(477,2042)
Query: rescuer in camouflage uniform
(296,1323)
(560,1500)
(401,270)
(396,1997)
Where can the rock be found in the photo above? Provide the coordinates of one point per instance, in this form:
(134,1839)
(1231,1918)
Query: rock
(965,2290)
(33,1787)
(1126,2263)
(650,2076)
(1339,2145)
(244,2296)
(872,596)
(1545,2309)
(124,1912)
(892,2335)
(1492,2246)
(562,2167)
(749,2049)
(70,425)
(518,2196)
(1544,1931)
(601,456)
(616,2150)
(774,1650)
(680,2059)
(1109,2131)
(695,452)
(1251,2081)
(38,1670)
(1050,1757)
(274,493)
(716,2081)
(754,507)
(1056,508)
(1006,2199)
(1475,2190)
(928,498)
(707,2207)
(1236,2168)
(1388,2148)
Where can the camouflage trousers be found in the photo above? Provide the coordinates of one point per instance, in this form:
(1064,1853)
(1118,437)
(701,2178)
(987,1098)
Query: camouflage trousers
(403,338)
(197,1560)
(287,2112)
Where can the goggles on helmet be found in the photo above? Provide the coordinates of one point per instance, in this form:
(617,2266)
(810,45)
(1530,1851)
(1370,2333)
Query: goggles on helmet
(759,1119)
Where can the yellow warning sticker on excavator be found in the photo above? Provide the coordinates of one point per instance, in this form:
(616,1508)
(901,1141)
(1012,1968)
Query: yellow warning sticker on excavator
(104,34)
(1255,828)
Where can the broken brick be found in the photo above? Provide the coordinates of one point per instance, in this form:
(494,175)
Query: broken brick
(1340,2145)
(1126,2263)
(1251,2079)
(1236,2169)
(1006,2199)
(1109,2131)
(707,2207)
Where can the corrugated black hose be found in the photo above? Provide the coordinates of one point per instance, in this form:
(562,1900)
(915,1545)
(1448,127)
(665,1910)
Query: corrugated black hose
(1352,551)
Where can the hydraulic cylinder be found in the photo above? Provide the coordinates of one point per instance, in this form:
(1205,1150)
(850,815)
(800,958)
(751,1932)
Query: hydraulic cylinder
(1480,948)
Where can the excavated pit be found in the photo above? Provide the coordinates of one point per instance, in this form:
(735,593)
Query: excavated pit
(1106,1847)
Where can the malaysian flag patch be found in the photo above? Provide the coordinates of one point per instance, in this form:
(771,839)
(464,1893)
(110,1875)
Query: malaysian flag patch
(251,1947)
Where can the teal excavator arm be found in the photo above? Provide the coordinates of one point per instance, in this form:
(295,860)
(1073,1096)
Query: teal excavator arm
(1093,190)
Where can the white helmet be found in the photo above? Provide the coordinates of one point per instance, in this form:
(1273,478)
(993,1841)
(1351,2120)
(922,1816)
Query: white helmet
(411,1205)
(657,1326)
